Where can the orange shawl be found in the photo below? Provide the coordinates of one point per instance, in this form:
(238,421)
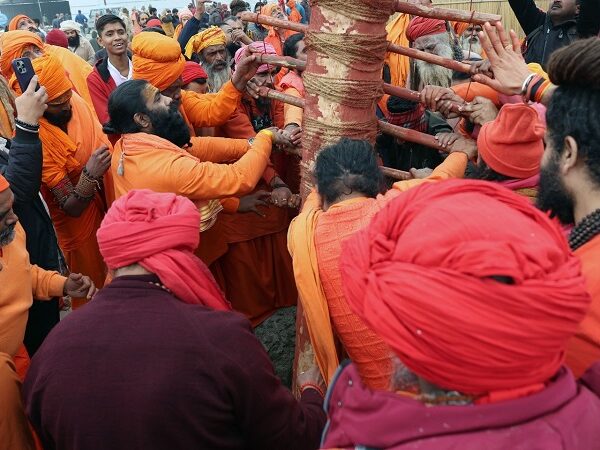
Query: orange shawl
(398,64)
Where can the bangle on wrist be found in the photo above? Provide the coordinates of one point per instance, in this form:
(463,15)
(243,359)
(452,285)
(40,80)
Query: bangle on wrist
(268,133)
(26,126)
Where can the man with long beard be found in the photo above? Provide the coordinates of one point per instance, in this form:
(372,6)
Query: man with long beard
(209,49)
(431,36)
(570,169)
(76,157)
(468,38)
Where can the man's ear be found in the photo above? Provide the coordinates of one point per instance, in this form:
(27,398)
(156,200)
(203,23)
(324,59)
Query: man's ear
(143,121)
(569,155)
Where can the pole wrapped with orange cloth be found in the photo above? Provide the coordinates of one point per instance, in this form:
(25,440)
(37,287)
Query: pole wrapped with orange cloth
(468,302)
(160,231)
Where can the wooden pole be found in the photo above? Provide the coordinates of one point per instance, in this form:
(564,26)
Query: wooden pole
(448,63)
(445,14)
(281,61)
(273,22)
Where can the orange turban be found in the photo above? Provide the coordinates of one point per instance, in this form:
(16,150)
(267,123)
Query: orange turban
(513,144)
(268,9)
(13,43)
(460,28)
(3,184)
(157,59)
(420,26)
(51,74)
(14,23)
(471,286)
(206,38)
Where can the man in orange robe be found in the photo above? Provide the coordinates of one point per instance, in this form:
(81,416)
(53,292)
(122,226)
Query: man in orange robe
(315,241)
(17,44)
(75,157)
(21,281)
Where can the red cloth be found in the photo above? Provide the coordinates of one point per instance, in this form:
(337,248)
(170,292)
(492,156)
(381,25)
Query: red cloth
(192,71)
(513,144)
(100,89)
(421,26)
(57,37)
(420,277)
(153,23)
(160,232)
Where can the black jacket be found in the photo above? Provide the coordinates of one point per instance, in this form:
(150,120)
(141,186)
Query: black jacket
(543,38)
(22,167)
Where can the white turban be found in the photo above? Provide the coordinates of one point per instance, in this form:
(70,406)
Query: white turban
(70,25)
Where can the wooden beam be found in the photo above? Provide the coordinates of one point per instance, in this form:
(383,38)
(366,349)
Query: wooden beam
(396,174)
(273,22)
(448,63)
(282,61)
(445,14)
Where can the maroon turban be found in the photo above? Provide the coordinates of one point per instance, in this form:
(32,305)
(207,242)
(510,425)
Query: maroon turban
(471,286)
(57,37)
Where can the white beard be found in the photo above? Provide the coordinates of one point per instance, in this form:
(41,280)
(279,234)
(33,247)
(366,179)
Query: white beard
(474,47)
(423,73)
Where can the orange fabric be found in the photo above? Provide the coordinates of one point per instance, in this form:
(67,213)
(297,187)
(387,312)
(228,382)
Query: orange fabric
(399,64)
(22,362)
(294,15)
(584,347)
(77,235)
(206,38)
(210,110)
(20,282)
(177,31)
(50,74)
(14,427)
(13,43)
(460,28)
(3,184)
(14,23)
(314,241)
(513,143)
(156,59)
(468,91)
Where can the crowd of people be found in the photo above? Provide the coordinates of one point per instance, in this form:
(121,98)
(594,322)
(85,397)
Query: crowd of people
(154,244)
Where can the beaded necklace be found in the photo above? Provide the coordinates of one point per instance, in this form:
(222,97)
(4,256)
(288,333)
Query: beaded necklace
(585,230)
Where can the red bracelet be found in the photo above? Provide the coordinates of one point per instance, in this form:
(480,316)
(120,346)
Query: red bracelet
(313,386)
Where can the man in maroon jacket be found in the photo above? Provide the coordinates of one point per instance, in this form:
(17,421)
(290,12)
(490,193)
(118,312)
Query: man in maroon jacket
(112,69)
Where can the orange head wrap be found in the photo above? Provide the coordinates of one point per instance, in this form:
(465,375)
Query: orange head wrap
(58,149)
(460,28)
(268,9)
(157,59)
(14,23)
(13,43)
(51,74)
(420,26)
(513,144)
(3,184)
(468,301)
(206,38)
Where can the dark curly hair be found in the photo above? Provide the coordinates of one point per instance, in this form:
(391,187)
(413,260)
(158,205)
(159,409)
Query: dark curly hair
(347,167)
(574,108)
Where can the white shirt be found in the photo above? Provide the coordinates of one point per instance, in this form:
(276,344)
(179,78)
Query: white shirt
(116,75)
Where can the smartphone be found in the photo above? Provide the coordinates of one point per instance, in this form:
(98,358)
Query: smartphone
(24,72)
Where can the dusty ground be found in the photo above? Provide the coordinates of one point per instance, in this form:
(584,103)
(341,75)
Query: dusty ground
(278,335)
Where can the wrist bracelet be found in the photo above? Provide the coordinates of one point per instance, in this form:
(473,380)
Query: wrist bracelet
(312,386)
(27,126)
(526,83)
(86,186)
(28,130)
(268,133)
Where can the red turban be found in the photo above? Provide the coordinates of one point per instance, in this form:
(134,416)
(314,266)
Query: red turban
(58,38)
(420,275)
(14,23)
(513,144)
(460,28)
(191,72)
(3,184)
(421,26)
(153,23)
(160,233)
